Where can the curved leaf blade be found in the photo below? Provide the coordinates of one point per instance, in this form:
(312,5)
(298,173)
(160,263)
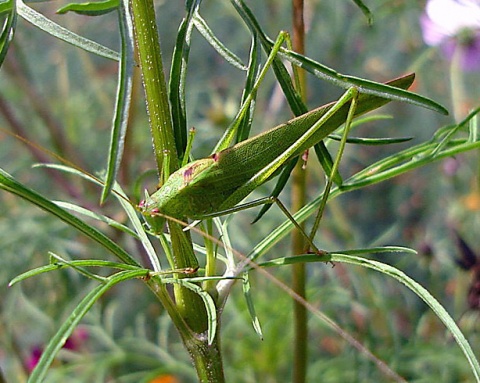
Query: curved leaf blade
(123,98)
(52,28)
(178,73)
(216,44)
(395,273)
(96,8)
(58,340)
(323,72)
(207,301)
(8,30)
(9,184)
(371,141)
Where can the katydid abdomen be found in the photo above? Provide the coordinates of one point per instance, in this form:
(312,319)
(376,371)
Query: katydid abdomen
(216,183)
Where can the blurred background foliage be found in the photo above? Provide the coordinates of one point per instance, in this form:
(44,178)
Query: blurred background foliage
(62,98)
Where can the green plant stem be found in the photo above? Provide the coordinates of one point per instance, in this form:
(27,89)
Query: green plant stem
(188,311)
(298,241)
(156,93)
(206,358)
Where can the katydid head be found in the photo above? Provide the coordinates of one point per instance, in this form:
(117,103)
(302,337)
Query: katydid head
(180,196)
(148,207)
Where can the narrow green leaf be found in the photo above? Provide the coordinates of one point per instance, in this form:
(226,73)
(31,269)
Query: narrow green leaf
(100,217)
(8,29)
(371,141)
(329,256)
(72,170)
(363,85)
(79,269)
(366,11)
(323,72)
(95,8)
(216,44)
(62,33)
(250,305)
(391,271)
(77,263)
(139,228)
(178,73)
(59,339)
(123,97)
(9,184)
(208,302)
(245,124)
(371,118)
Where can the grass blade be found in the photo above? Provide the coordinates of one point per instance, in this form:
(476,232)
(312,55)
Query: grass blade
(365,10)
(99,217)
(371,141)
(75,263)
(245,125)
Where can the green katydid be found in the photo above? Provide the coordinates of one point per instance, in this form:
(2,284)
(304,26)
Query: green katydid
(215,185)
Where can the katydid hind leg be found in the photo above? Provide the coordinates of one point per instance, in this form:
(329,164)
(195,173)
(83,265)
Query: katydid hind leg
(299,137)
(334,171)
(269,201)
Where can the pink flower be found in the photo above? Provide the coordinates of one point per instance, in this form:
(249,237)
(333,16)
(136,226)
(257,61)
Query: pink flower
(454,25)
(33,358)
(74,343)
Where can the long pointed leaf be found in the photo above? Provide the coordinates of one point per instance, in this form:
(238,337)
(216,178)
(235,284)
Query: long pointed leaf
(102,218)
(95,8)
(366,11)
(253,70)
(222,50)
(250,306)
(62,33)
(58,340)
(329,74)
(414,286)
(8,30)
(123,97)
(380,171)
(63,265)
(207,301)
(178,73)
(8,183)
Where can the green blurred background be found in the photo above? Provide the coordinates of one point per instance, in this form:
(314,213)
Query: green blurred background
(52,90)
